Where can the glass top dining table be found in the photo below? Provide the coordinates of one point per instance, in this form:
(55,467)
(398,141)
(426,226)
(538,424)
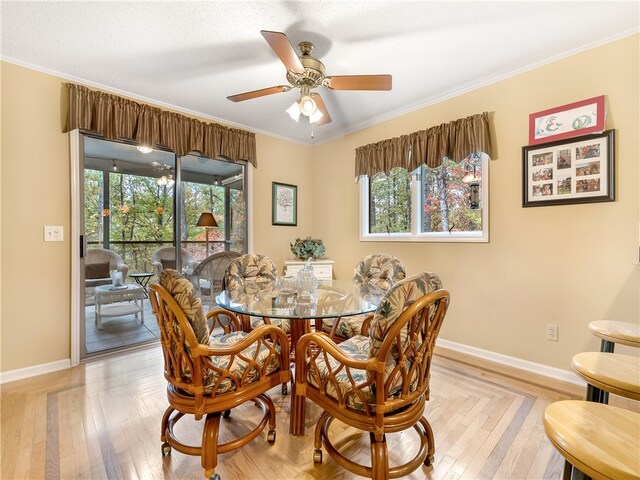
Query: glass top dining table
(340,298)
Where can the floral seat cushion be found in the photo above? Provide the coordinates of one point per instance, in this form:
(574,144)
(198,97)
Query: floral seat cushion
(250,268)
(281,323)
(183,293)
(348,326)
(378,271)
(341,388)
(265,360)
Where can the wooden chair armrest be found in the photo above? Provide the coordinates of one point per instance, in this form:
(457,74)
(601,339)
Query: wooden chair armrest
(323,343)
(276,335)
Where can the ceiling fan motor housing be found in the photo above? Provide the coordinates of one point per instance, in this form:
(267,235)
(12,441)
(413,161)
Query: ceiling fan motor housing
(313,69)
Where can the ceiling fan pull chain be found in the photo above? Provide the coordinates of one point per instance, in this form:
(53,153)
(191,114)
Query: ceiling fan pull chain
(312,130)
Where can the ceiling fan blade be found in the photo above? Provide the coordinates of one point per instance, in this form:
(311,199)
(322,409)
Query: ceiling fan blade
(360,82)
(259,93)
(280,44)
(326,118)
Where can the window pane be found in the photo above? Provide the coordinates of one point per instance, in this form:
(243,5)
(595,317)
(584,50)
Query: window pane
(214,186)
(390,202)
(446,196)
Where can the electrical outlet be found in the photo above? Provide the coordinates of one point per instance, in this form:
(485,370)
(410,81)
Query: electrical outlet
(552,333)
(53,233)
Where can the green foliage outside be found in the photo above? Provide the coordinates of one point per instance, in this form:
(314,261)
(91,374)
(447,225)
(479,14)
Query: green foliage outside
(445,199)
(390,202)
(141,210)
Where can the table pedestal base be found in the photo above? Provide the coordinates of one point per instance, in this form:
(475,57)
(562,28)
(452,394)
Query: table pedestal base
(298,403)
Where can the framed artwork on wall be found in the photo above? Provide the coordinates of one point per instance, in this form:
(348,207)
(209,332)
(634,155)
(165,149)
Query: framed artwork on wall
(568,121)
(284,204)
(579,170)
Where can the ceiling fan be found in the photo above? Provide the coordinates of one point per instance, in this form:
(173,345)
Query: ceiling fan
(306,73)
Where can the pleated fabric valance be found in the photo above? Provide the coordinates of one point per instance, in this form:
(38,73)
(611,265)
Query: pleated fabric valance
(117,118)
(455,140)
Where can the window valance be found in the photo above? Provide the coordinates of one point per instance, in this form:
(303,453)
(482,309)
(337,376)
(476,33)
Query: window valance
(455,140)
(117,118)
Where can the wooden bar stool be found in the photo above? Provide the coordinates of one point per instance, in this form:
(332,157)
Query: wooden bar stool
(600,440)
(612,332)
(608,372)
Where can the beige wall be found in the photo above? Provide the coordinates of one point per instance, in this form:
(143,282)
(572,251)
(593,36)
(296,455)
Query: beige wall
(36,276)
(35,191)
(565,265)
(282,162)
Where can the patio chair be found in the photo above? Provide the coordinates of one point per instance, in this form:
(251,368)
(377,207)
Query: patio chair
(165,257)
(377,383)
(374,275)
(207,376)
(208,276)
(98,264)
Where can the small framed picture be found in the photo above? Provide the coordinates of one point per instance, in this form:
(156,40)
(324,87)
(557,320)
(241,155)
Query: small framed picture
(568,121)
(284,204)
(579,170)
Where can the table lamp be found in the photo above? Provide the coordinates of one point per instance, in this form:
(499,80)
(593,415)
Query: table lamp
(207,221)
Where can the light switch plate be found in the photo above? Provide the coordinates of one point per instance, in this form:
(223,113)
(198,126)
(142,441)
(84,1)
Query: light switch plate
(53,233)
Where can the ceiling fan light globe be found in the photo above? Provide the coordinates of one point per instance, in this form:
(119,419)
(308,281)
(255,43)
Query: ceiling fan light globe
(307,105)
(294,111)
(315,116)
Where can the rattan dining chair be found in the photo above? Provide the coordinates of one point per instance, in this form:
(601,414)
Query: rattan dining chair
(375,273)
(207,376)
(259,271)
(377,383)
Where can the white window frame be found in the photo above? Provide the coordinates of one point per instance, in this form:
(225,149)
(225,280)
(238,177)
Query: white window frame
(416,215)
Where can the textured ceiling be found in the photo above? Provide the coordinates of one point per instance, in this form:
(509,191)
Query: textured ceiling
(192,55)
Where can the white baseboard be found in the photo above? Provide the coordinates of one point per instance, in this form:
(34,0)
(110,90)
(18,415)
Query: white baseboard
(28,372)
(512,364)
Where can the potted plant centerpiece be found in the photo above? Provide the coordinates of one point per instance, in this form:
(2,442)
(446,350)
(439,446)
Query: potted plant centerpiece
(307,248)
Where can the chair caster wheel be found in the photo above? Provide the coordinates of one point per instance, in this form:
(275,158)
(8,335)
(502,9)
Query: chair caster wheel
(317,456)
(226,414)
(166,449)
(271,437)
(215,477)
(428,461)
(285,389)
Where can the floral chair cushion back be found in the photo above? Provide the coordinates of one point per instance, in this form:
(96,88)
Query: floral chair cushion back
(251,267)
(396,301)
(379,272)
(182,291)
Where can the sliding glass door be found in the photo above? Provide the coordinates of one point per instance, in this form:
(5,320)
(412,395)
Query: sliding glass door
(131,205)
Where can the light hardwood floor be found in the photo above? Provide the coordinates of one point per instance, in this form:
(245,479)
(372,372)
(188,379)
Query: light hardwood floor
(102,420)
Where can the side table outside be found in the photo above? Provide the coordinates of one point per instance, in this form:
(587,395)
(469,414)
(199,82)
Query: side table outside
(142,279)
(119,301)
